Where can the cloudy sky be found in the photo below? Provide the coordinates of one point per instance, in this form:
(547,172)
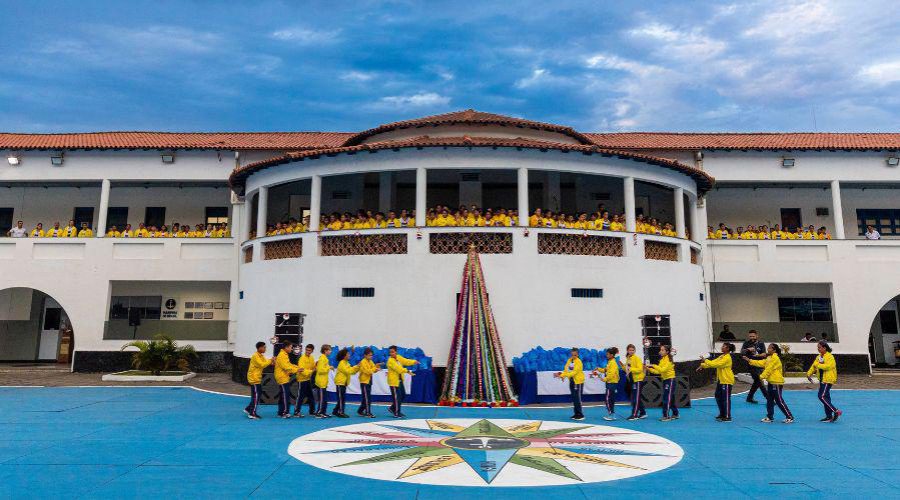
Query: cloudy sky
(777,65)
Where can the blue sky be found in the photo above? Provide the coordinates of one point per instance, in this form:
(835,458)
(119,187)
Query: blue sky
(813,65)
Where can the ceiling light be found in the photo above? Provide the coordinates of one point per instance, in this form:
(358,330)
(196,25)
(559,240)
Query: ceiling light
(787,162)
(13,160)
(892,161)
(168,157)
(56,159)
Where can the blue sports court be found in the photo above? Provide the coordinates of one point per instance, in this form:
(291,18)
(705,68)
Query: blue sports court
(161,442)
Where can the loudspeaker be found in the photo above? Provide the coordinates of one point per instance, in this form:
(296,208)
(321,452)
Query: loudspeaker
(270,390)
(652,393)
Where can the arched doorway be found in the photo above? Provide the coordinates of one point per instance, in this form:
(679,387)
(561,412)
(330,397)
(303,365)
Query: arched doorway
(34,327)
(884,335)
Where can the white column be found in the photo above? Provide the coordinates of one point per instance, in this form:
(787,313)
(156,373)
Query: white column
(630,222)
(837,210)
(421,195)
(698,220)
(385,191)
(261,208)
(315,202)
(104,209)
(523,197)
(679,212)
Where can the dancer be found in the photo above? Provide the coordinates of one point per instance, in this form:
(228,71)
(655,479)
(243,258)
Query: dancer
(283,371)
(396,368)
(634,369)
(724,380)
(341,379)
(306,368)
(825,369)
(322,369)
(366,369)
(610,375)
(774,376)
(666,371)
(754,349)
(258,362)
(574,371)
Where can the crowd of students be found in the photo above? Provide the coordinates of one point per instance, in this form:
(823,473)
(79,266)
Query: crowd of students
(765,365)
(763,232)
(313,374)
(142,231)
(471,216)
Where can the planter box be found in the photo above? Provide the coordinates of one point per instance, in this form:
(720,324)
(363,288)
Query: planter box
(747,379)
(142,376)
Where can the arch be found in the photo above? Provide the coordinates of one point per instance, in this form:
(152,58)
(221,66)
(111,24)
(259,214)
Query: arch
(34,326)
(884,332)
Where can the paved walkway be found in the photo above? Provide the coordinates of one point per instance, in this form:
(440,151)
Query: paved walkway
(154,442)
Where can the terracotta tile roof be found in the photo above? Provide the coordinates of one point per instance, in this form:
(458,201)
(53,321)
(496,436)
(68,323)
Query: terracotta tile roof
(468,116)
(175,140)
(240,175)
(748,141)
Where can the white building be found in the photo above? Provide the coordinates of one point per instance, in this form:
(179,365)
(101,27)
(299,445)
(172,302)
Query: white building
(548,286)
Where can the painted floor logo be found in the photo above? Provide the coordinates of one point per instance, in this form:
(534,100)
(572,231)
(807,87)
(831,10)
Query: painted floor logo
(486,452)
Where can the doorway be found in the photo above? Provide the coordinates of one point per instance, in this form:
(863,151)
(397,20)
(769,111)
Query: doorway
(33,327)
(884,335)
(790,219)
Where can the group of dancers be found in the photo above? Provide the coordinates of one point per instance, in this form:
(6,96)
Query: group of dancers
(313,375)
(823,367)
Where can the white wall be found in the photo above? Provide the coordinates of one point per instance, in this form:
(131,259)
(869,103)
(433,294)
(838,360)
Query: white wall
(743,206)
(48,205)
(183,205)
(757,302)
(811,166)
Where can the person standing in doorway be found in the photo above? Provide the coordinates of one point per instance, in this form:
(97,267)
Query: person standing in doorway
(754,349)
(574,371)
(258,362)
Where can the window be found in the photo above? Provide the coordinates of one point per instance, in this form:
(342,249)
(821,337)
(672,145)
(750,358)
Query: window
(587,293)
(155,216)
(6,220)
(804,309)
(116,216)
(144,307)
(357,292)
(83,214)
(888,321)
(217,215)
(885,221)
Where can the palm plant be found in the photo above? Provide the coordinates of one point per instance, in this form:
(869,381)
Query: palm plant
(161,353)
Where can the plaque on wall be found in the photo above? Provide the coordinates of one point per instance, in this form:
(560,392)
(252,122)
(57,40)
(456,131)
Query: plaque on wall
(208,315)
(188,305)
(207,305)
(219,305)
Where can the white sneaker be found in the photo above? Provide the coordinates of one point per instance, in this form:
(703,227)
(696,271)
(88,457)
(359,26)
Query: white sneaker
(788,421)
(767,420)
(609,418)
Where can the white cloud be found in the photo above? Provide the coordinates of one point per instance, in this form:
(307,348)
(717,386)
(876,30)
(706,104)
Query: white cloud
(306,36)
(691,45)
(420,100)
(357,76)
(881,74)
(536,77)
(796,20)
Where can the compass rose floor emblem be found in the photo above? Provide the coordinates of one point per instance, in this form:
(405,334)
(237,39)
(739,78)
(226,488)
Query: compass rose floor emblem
(486,452)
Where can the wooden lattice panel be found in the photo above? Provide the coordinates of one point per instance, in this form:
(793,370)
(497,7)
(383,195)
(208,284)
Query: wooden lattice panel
(283,249)
(248,255)
(695,256)
(447,243)
(660,250)
(372,244)
(578,244)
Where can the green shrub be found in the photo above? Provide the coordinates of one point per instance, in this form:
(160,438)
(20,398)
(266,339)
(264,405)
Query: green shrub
(161,353)
(790,362)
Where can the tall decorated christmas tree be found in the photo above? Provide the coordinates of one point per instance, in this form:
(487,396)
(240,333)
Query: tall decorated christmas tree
(476,368)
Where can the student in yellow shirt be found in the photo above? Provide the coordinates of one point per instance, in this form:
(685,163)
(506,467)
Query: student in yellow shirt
(536,218)
(54,232)
(668,230)
(666,371)
(574,371)
(341,378)
(809,233)
(773,374)
(634,368)
(306,367)
(610,375)
(366,369)
(113,232)
(283,371)
(406,220)
(258,362)
(616,224)
(70,231)
(322,369)
(396,369)
(824,367)
(822,234)
(38,231)
(724,380)
(85,231)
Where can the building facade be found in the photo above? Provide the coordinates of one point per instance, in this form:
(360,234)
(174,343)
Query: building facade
(78,300)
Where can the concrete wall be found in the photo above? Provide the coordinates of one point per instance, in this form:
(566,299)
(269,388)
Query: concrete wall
(20,323)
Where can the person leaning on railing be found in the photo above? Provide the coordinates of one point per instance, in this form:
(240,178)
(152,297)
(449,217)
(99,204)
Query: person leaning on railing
(764,233)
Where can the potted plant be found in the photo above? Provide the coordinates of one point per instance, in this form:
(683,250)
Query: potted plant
(159,359)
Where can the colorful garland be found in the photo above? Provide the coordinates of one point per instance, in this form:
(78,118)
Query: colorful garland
(476,368)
